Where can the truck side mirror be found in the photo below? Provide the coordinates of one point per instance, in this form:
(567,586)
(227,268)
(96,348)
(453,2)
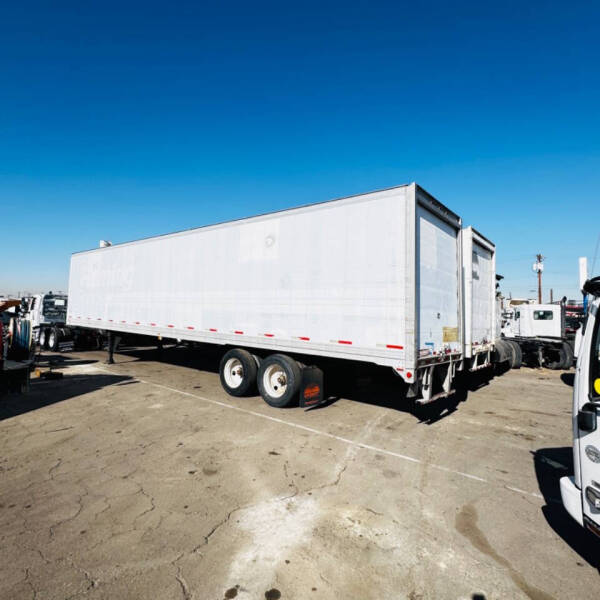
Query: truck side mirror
(587,418)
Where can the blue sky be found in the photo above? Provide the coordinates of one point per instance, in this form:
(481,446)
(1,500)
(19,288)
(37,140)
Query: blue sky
(123,120)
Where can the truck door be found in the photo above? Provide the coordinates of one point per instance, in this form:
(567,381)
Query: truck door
(587,390)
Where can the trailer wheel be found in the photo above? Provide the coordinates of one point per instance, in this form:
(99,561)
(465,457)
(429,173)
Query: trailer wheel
(279,380)
(238,372)
(42,339)
(53,340)
(517,357)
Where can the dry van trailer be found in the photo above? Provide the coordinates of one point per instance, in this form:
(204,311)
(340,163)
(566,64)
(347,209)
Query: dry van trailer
(479,293)
(373,278)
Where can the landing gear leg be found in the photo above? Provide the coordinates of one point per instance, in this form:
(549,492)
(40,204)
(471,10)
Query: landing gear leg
(113,342)
(159,348)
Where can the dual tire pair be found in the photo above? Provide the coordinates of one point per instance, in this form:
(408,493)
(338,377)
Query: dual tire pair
(48,339)
(277,376)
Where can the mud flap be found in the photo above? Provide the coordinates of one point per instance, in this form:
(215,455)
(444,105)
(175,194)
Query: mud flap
(311,387)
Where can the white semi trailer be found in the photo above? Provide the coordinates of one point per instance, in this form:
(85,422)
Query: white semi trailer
(373,278)
(479,306)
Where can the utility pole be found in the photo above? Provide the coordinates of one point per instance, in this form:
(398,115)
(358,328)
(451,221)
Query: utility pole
(551,295)
(539,267)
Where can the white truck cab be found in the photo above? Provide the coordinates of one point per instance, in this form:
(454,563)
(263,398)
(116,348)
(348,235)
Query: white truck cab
(537,320)
(581,491)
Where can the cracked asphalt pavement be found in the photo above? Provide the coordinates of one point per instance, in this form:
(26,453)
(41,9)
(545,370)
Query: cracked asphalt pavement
(143,479)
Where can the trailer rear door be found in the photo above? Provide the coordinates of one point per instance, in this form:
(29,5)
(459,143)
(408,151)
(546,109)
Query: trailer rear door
(438,283)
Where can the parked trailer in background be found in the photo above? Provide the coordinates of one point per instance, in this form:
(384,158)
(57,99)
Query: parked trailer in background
(373,278)
(479,285)
(483,347)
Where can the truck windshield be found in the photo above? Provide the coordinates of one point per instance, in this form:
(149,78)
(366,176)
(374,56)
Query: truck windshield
(55,307)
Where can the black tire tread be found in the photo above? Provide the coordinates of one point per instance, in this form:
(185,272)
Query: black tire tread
(250,367)
(293,372)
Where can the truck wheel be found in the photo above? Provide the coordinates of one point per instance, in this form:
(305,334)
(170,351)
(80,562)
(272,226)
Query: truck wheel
(53,340)
(512,353)
(42,339)
(279,380)
(567,352)
(238,372)
(517,356)
(561,359)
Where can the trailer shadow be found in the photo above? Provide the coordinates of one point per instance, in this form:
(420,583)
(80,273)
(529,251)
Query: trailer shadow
(206,358)
(379,386)
(369,384)
(47,392)
(550,465)
(58,360)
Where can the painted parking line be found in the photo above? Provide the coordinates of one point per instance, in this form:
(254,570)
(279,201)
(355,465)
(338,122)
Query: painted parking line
(321,433)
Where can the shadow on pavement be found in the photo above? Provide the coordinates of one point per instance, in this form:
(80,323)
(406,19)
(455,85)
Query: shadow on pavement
(370,384)
(550,465)
(59,361)
(568,378)
(44,393)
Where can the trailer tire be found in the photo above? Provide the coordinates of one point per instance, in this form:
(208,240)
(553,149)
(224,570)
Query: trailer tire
(53,337)
(279,380)
(517,359)
(237,372)
(42,339)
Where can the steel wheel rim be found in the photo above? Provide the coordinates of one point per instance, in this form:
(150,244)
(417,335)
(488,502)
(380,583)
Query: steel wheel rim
(51,339)
(275,381)
(234,373)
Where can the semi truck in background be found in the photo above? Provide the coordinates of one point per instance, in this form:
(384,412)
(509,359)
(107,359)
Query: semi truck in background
(539,330)
(48,316)
(580,492)
(375,278)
